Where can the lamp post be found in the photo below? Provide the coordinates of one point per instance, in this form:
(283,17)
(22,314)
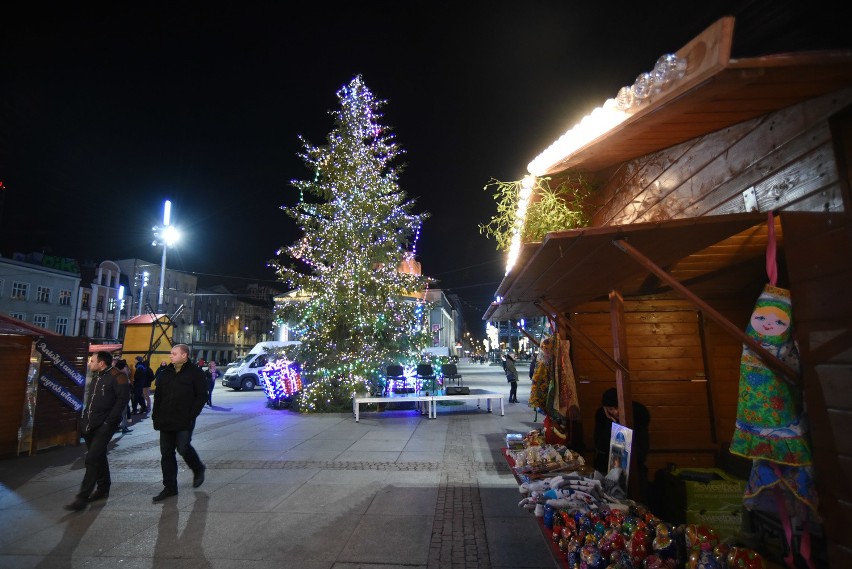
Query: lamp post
(166,236)
(143,282)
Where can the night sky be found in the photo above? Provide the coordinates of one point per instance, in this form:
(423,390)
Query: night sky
(106,113)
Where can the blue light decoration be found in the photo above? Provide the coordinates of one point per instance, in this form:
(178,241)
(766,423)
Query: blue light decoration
(409,380)
(282,379)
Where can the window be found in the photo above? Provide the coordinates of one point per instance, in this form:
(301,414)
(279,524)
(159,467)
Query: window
(20,290)
(111,303)
(100,305)
(18,315)
(86,299)
(84,324)
(97,331)
(65,297)
(61,326)
(43,294)
(109,330)
(40,320)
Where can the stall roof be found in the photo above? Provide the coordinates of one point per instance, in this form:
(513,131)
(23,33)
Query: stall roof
(15,327)
(708,254)
(576,266)
(718,93)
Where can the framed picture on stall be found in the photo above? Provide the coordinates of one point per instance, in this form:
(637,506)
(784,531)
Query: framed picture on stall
(620,443)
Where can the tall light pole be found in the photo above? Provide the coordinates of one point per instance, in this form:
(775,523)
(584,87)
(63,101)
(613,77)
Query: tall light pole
(166,236)
(143,281)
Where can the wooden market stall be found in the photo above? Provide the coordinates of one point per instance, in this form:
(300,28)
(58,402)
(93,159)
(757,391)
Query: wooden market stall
(41,387)
(656,293)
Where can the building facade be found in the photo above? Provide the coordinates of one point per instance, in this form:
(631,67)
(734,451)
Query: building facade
(179,289)
(100,303)
(34,292)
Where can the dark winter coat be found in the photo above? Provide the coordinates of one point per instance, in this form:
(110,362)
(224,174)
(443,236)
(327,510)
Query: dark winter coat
(109,392)
(179,397)
(143,376)
(511,370)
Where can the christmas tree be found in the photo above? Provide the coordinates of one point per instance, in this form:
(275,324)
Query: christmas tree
(357,310)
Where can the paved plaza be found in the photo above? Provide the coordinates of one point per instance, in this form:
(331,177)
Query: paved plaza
(396,490)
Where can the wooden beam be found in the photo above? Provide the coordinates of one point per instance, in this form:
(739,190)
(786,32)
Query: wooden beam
(622,384)
(602,355)
(529,336)
(786,373)
(619,349)
(708,377)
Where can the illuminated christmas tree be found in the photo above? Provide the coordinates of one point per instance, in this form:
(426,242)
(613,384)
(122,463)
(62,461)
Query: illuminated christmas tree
(360,309)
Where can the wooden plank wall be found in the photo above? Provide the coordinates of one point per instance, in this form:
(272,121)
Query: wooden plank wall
(14,364)
(55,423)
(820,260)
(681,364)
(785,156)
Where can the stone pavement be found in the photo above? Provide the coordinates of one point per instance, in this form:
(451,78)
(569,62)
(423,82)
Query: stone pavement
(287,490)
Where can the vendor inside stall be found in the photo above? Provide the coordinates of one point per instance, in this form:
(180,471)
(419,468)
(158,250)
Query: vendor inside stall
(605,416)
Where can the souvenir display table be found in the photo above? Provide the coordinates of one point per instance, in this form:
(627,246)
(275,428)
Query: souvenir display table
(588,527)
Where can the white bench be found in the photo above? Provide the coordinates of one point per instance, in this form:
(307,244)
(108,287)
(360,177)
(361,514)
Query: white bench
(430,400)
(393,398)
(477,394)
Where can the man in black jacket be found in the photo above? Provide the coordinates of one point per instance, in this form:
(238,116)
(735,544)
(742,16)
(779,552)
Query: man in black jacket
(178,400)
(109,392)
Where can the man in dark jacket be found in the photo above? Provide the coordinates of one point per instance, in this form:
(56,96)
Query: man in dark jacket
(142,377)
(605,416)
(109,392)
(178,400)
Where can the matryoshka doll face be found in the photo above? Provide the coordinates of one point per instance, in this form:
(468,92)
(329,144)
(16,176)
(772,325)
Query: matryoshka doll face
(769,321)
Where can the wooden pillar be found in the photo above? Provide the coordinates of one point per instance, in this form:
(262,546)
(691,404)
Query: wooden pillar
(622,383)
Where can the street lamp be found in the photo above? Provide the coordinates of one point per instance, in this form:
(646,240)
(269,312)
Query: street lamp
(166,236)
(143,281)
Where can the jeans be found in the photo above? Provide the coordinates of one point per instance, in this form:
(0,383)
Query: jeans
(97,467)
(513,391)
(171,441)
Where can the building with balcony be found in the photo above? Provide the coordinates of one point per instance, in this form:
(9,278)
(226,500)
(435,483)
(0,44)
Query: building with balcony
(100,306)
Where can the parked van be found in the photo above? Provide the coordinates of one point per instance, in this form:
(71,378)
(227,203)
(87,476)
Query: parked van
(243,373)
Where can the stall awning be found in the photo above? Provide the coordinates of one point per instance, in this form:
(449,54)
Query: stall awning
(711,255)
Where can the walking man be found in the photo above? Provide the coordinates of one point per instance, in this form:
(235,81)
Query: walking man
(212,375)
(178,400)
(109,392)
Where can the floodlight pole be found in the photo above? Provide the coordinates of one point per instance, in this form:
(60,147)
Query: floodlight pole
(167,211)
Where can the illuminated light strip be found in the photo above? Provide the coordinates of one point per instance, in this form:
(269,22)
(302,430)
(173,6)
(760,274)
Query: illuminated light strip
(592,126)
(668,70)
(527,185)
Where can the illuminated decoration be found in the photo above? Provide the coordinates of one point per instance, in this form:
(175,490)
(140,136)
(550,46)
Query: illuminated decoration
(360,311)
(668,70)
(527,185)
(409,381)
(282,379)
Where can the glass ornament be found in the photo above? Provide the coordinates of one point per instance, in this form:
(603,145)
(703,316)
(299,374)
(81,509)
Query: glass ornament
(643,87)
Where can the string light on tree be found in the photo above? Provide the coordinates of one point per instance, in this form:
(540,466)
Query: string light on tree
(363,308)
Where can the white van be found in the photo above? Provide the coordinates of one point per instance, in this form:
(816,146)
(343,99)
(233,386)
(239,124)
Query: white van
(242,374)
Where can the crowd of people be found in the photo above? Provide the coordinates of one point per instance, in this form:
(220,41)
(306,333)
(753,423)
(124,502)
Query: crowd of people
(115,393)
